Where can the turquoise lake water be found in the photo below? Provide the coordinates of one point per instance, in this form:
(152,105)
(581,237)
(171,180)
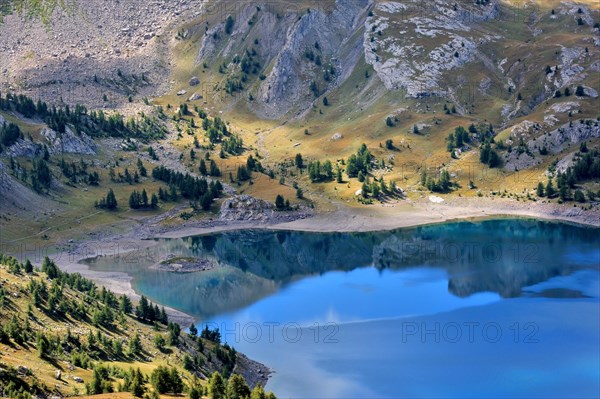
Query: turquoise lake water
(498,308)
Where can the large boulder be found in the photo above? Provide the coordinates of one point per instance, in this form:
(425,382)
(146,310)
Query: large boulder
(245,208)
(194,97)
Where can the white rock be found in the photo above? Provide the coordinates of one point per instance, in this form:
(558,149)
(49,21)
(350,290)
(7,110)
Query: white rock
(435,199)
(195,97)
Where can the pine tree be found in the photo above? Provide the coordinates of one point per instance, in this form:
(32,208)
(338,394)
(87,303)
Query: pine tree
(134,200)
(42,345)
(111,200)
(176,382)
(216,387)
(135,345)
(563,192)
(579,196)
(550,191)
(164,319)
(202,168)
(375,189)
(258,392)
(393,187)
(328,170)
(28,268)
(299,161)
(279,202)
(382,186)
(237,388)
(125,304)
(445,180)
(214,169)
(540,190)
(173,196)
(144,198)
(137,386)
(95,386)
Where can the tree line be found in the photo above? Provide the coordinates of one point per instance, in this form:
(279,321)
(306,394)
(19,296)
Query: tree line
(190,187)
(92,123)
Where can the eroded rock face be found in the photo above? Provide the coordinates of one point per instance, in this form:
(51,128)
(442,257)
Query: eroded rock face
(57,143)
(68,142)
(246,208)
(554,142)
(25,148)
(433,40)
(285,37)
(333,31)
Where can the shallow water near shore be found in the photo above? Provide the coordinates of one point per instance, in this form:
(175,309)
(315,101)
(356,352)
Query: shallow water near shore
(497,308)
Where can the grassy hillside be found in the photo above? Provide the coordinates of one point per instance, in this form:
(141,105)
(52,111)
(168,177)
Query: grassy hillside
(62,335)
(512,65)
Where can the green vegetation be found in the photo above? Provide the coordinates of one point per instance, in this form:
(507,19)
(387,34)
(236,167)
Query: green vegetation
(93,123)
(190,187)
(458,138)
(442,185)
(139,200)
(110,348)
(320,173)
(9,134)
(586,166)
(282,204)
(359,162)
(109,202)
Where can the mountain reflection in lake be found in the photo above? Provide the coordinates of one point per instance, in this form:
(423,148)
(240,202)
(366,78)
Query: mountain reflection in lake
(371,284)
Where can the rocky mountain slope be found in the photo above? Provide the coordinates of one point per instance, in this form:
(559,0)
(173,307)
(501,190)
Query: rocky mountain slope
(455,51)
(310,77)
(281,58)
(81,51)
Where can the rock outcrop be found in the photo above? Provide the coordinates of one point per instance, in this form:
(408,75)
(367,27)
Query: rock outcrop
(57,143)
(554,142)
(284,40)
(246,208)
(69,143)
(434,39)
